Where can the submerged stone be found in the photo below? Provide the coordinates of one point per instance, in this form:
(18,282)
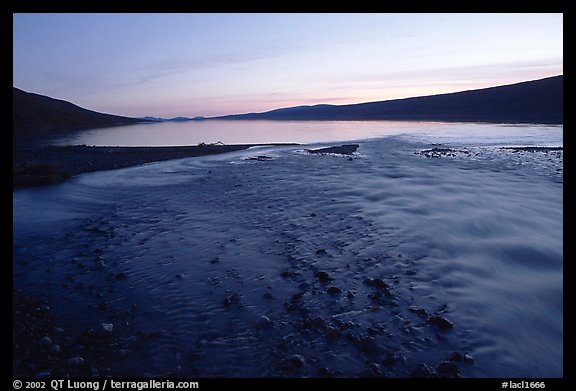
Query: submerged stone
(264,322)
(323,276)
(297,360)
(441,322)
(418,311)
(334,290)
(422,371)
(447,369)
(346,149)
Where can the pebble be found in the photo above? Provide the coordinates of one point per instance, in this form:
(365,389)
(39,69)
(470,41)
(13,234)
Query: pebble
(99,265)
(333,290)
(393,359)
(379,283)
(297,360)
(319,322)
(231,299)
(372,370)
(418,310)
(106,329)
(447,369)
(367,345)
(441,322)
(323,276)
(421,371)
(325,372)
(75,361)
(264,322)
(332,333)
(46,341)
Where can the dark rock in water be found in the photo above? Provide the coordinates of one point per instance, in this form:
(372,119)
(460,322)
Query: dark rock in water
(368,281)
(468,359)
(457,357)
(333,290)
(367,345)
(321,251)
(322,276)
(120,276)
(260,158)
(75,361)
(296,360)
(229,300)
(325,372)
(441,152)
(441,322)
(345,325)
(372,370)
(533,149)
(288,274)
(419,311)
(379,283)
(105,329)
(319,322)
(346,149)
(332,333)
(46,341)
(447,369)
(422,371)
(95,230)
(393,359)
(264,322)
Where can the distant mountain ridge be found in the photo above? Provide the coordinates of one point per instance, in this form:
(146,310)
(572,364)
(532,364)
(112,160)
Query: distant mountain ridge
(536,101)
(37,117)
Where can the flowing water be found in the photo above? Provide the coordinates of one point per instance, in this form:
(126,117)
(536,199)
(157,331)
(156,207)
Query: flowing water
(221,253)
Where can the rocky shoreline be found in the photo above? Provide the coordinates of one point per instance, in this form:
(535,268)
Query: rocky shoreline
(40,166)
(44,347)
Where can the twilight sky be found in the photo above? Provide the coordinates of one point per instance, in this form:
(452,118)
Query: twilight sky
(214,64)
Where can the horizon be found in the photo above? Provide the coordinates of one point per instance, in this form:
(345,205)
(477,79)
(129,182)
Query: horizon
(225,64)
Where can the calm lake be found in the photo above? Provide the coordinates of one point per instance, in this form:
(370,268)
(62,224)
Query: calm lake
(262,131)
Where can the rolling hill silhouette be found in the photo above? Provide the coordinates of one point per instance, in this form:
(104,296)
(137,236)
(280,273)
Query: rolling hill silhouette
(537,101)
(37,117)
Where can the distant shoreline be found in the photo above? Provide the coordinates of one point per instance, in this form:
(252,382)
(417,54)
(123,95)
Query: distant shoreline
(41,166)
